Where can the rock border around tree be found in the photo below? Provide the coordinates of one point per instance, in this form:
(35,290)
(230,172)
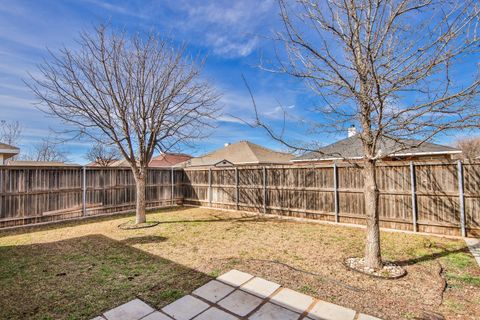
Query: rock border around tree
(390,270)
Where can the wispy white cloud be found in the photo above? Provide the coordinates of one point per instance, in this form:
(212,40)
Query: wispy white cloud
(230,28)
(117,7)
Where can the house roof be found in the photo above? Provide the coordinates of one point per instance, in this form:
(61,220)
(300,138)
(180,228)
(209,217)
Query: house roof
(6,148)
(243,152)
(168,159)
(28,163)
(351,148)
(113,163)
(8,151)
(161,161)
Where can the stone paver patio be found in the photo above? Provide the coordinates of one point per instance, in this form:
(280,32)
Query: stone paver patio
(237,295)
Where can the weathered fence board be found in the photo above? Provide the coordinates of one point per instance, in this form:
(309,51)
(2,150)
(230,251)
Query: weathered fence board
(45,194)
(311,192)
(431,204)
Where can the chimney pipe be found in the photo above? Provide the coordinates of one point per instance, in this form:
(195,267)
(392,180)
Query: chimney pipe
(352,131)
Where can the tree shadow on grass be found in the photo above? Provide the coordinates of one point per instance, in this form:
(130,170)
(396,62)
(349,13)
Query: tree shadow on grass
(432,256)
(83,277)
(144,240)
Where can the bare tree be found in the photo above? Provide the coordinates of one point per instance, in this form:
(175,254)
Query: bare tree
(140,92)
(10,132)
(102,154)
(48,149)
(386,65)
(470,148)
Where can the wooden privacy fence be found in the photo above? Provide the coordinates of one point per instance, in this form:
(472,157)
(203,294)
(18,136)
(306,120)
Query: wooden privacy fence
(30,195)
(439,198)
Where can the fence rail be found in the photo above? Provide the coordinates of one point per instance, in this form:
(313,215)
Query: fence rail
(30,195)
(441,198)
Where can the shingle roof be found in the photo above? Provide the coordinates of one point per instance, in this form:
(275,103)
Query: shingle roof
(168,159)
(351,148)
(243,152)
(161,161)
(28,163)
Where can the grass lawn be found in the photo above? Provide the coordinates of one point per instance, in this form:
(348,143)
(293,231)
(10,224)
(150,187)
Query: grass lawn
(78,270)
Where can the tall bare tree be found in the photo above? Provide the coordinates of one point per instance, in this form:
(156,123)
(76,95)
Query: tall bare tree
(140,92)
(470,148)
(10,132)
(102,154)
(387,66)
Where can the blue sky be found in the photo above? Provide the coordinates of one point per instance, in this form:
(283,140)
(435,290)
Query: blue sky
(232,33)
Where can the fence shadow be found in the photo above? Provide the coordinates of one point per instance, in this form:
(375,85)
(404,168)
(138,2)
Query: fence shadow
(85,276)
(21,229)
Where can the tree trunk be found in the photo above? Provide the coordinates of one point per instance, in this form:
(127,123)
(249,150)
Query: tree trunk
(373,257)
(140,178)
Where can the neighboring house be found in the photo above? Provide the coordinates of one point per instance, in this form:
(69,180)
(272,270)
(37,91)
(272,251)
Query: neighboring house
(6,152)
(113,163)
(168,160)
(165,160)
(351,149)
(28,163)
(240,153)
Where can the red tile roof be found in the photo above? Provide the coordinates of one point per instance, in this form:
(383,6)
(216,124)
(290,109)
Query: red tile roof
(168,159)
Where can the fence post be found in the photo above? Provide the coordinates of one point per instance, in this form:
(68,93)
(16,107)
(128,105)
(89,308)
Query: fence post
(173,186)
(305,193)
(461,198)
(264,189)
(414,196)
(84,191)
(236,188)
(210,187)
(335,191)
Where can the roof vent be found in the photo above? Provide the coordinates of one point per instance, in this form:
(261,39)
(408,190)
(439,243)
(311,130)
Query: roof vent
(352,131)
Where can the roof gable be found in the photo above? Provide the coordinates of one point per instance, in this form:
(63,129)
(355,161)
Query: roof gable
(243,152)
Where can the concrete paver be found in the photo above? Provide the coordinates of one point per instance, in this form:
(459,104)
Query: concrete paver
(185,308)
(132,310)
(260,287)
(156,316)
(213,291)
(240,303)
(215,314)
(235,278)
(270,311)
(292,300)
(323,310)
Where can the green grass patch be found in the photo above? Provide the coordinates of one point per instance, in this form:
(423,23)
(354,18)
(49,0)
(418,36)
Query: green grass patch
(171,295)
(459,260)
(464,279)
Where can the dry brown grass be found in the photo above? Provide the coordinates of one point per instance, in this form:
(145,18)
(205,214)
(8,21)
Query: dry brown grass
(78,270)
